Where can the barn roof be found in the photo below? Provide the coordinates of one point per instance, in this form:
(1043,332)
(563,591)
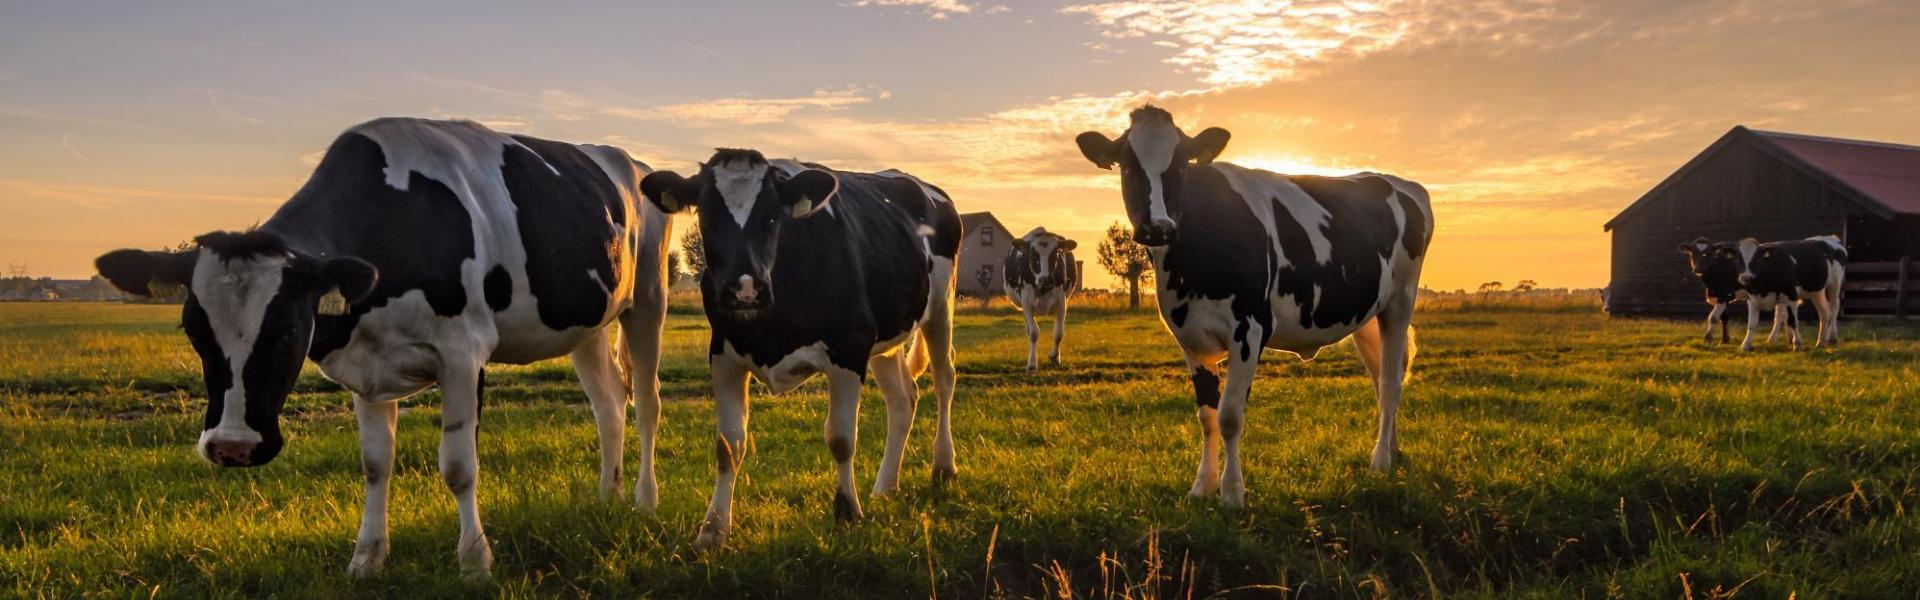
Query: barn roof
(972,221)
(1880,177)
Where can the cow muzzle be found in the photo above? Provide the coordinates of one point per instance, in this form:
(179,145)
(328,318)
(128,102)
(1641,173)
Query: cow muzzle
(746,296)
(1746,279)
(231,453)
(1159,232)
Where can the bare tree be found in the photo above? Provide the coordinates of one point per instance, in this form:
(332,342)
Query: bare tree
(1525,285)
(1490,287)
(1126,259)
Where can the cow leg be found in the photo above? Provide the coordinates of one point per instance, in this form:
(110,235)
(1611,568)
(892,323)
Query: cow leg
(843,436)
(1836,284)
(729,447)
(1205,372)
(1033,339)
(642,326)
(1059,331)
(1825,310)
(1243,361)
(377,421)
(593,362)
(1717,314)
(1395,355)
(939,339)
(1779,323)
(896,385)
(1753,322)
(461,387)
(1793,333)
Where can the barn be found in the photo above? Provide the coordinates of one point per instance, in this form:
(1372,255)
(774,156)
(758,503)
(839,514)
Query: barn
(1774,186)
(982,249)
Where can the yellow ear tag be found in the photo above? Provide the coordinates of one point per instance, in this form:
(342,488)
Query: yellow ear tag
(333,304)
(667,201)
(801,208)
(157,289)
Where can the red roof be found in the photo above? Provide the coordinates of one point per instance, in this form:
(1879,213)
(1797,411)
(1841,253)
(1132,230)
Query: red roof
(1887,173)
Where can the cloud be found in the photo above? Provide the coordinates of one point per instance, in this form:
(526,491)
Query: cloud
(1238,43)
(934,9)
(750,111)
(98,197)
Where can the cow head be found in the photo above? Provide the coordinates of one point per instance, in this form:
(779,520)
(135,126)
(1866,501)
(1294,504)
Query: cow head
(1705,256)
(1154,155)
(742,202)
(1752,252)
(250,309)
(1047,255)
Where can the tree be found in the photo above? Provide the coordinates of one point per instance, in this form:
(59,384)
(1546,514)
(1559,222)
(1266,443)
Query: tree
(693,252)
(1525,285)
(673,267)
(1490,287)
(1126,259)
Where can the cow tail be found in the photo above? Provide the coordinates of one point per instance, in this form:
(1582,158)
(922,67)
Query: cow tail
(917,357)
(1413,347)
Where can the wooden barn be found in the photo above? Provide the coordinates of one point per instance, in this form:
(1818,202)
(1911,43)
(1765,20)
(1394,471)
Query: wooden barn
(1775,186)
(982,250)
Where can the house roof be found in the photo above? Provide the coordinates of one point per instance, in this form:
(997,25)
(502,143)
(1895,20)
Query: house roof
(972,221)
(1880,177)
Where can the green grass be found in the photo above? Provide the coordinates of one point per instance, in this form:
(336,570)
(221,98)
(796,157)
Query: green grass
(1549,452)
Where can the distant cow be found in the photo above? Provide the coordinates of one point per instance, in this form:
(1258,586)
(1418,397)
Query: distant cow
(1781,274)
(812,270)
(1040,275)
(1716,265)
(1246,259)
(418,252)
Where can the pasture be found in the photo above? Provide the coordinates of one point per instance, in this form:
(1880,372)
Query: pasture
(1549,452)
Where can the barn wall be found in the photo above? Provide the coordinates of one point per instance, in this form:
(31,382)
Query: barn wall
(1738,192)
(983,249)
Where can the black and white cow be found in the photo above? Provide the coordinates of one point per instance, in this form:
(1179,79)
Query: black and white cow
(1781,274)
(1246,259)
(418,252)
(1040,274)
(1716,265)
(809,271)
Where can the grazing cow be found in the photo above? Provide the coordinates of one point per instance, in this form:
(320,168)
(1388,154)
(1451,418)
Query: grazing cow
(809,271)
(418,252)
(1716,265)
(1781,274)
(1246,259)
(1040,275)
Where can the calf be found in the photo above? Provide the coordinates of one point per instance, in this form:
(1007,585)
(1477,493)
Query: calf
(1040,275)
(1246,259)
(418,252)
(1782,274)
(809,271)
(1716,265)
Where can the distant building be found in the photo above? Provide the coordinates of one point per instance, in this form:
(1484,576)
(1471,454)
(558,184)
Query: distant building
(983,250)
(1774,186)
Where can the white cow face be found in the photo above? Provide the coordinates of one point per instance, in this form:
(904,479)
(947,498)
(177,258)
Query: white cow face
(1154,155)
(249,312)
(1048,255)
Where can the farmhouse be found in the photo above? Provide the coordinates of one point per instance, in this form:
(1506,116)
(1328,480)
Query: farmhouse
(1775,186)
(984,244)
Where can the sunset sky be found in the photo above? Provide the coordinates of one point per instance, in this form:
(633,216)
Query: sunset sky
(145,123)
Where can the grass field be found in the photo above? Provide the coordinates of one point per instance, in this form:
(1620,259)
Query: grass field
(1549,452)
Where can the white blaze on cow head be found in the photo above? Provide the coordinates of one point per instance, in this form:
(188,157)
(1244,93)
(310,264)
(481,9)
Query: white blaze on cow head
(1153,155)
(1749,248)
(249,312)
(1046,254)
(741,203)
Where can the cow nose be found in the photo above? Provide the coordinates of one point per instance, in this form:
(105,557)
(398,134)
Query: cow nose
(230,453)
(1160,232)
(1746,279)
(745,291)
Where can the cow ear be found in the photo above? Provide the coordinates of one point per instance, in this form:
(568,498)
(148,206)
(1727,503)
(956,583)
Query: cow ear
(1019,244)
(1097,148)
(145,273)
(669,191)
(1209,144)
(806,192)
(1068,245)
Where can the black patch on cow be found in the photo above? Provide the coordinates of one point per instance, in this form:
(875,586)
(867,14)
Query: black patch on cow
(846,279)
(841,447)
(273,366)
(1361,233)
(1790,267)
(459,477)
(213,361)
(498,288)
(723,454)
(1414,237)
(1240,337)
(1206,388)
(1718,271)
(1178,315)
(1222,251)
(417,238)
(567,222)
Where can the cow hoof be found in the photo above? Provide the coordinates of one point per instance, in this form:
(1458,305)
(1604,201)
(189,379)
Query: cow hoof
(1054,359)
(1202,489)
(476,559)
(1031,367)
(646,496)
(1233,500)
(1746,348)
(846,509)
(944,475)
(710,539)
(367,563)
